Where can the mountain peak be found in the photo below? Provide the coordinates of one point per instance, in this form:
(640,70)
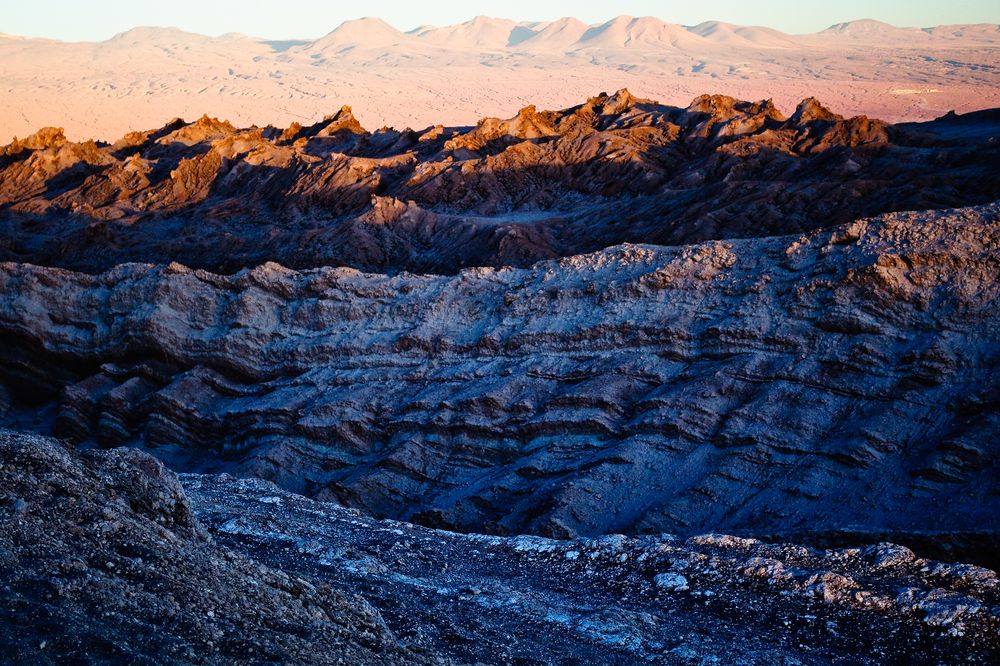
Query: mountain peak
(640,32)
(809,110)
(862,25)
(368,32)
(621,101)
(482,20)
(47,137)
(742,35)
(153,35)
(867,28)
(560,33)
(203,129)
(342,121)
(479,32)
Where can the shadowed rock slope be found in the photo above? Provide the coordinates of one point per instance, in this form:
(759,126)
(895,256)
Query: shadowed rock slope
(107,558)
(541,185)
(839,380)
(102,561)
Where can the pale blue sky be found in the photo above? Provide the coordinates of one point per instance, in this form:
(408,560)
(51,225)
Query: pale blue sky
(99,19)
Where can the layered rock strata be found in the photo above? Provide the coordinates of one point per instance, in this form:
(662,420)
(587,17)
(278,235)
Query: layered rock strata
(841,379)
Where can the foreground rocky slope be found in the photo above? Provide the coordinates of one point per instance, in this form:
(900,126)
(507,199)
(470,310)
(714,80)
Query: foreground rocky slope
(102,561)
(107,559)
(542,184)
(707,599)
(844,380)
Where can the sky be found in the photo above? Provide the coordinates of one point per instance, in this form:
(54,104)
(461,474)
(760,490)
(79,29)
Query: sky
(95,20)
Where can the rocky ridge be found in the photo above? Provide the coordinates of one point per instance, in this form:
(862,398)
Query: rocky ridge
(540,185)
(844,379)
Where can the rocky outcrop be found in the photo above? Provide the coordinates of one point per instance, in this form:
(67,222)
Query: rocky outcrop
(104,561)
(542,184)
(109,558)
(843,379)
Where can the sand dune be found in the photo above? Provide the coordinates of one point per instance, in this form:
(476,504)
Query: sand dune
(457,74)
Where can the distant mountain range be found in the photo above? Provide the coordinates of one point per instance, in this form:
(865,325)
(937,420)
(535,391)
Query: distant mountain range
(458,73)
(621,32)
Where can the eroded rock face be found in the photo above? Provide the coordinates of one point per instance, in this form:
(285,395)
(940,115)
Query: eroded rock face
(840,379)
(540,185)
(104,562)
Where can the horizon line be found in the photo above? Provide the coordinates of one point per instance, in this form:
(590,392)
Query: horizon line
(518,22)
